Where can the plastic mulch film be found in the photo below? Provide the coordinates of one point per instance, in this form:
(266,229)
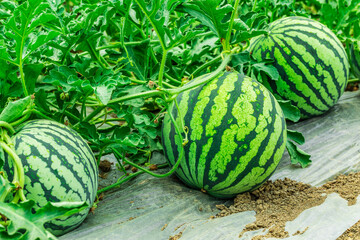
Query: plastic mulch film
(149,208)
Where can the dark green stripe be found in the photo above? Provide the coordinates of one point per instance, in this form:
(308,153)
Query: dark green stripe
(312,69)
(328,45)
(193,99)
(311,27)
(220,129)
(276,24)
(292,86)
(76,147)
(55,130)
(298,71)
(53,151)
(206,118)
(255,161)
(235,156)
(273,84)
(320,61)
(82,164)
(174,145)
(254,45)
(64,228)
(241,151)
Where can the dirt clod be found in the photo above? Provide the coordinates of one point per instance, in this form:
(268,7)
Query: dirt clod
(105,165)
(153,167)
(176,237)
(280,201)
(163,228)
(352,87)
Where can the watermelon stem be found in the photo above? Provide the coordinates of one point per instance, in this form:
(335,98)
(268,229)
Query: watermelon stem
(205,65)
(26,115)
(180,117)
(121,164)
(7,126)
(228,34)
(119,182)
(203,80)
(19,175)
(41,114)
(254,6)
(354,80)
(162,67)
(125,179)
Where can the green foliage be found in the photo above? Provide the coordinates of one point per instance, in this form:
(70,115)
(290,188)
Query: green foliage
(341,16)
(30,226)
(159,16)
(299,156)
(291,112)
(14,110)
(22,40)
(109,69)
(5,186)
(211,14)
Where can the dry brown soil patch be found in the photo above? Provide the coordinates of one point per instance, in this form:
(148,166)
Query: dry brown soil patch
(277,202)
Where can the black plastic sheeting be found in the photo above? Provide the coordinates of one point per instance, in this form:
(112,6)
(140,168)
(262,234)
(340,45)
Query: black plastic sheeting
(150,208)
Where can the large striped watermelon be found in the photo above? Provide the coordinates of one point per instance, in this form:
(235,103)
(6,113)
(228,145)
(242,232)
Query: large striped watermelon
(237,135)
(355,59)
(311,61)
(58,165)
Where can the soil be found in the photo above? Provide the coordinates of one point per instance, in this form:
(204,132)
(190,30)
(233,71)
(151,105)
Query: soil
(352,87)
(352,233)
(105,166)
(277,202)
(176,237)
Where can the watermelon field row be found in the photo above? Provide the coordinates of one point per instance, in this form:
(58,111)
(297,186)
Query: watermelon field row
(212,85)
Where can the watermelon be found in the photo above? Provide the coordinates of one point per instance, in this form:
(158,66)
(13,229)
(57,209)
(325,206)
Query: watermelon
(355,59)
(58,165)
(236,135)
(310,59)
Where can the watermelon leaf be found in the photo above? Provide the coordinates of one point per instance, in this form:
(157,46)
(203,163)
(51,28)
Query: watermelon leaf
(270,70)
(22,32)
(158,12)
(15,109)
(249,25)
(336,14)
(67,79)
(32,72)
(211,14)
(23,219)
(5,236)
(295,136)
(297,155)
(291,112)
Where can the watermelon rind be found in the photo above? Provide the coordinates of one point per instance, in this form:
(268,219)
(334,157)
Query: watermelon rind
(59,166)
(236,134)
(311,61)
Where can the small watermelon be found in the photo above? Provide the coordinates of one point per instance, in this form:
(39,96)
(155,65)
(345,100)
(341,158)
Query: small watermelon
(311,61)
(236,134)
(58,165)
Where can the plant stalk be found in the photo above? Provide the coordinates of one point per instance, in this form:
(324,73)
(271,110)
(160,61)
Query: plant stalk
(162,67)
(228,34)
